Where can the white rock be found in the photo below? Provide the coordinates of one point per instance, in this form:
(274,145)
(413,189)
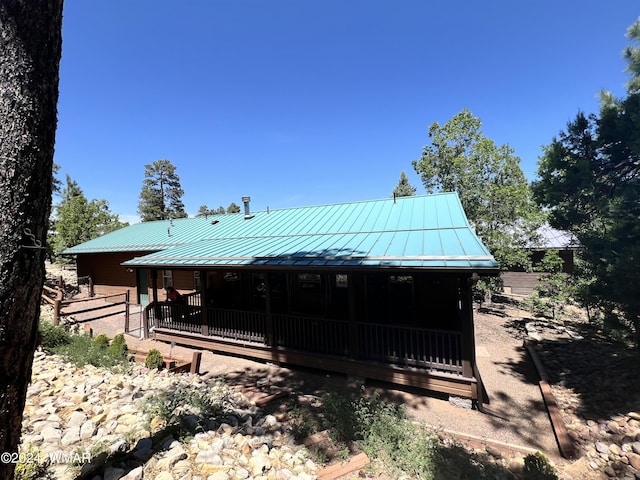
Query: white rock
(71,436)
(50,434)
(87,430)
(135,474)
(208,456)
(163,476)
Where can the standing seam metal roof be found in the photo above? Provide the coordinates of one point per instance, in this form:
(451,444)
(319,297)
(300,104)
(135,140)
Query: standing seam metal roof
(429,231)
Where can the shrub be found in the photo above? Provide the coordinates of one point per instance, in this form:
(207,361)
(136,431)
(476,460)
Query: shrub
(101,341)
(154,359)
(399,447)
(205,403)
(83,350)
(538,467)
(118,347)
(53,336)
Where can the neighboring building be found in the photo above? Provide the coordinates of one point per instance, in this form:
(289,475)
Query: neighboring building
(378,289)
(565,243)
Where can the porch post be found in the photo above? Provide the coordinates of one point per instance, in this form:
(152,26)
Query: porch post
(204,304)
(154,293)
(267,306)
(468,329)
(354,283)
(154,285)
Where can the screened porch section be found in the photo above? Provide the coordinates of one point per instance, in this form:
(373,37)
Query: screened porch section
(432,350)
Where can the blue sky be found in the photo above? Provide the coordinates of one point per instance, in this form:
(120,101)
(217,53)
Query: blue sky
(305,102)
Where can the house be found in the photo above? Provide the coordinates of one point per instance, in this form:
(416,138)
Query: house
(520,282)
(379,289)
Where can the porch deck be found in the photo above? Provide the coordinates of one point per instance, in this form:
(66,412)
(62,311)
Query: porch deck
(424,358)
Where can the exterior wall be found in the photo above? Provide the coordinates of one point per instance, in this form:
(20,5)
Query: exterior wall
(181,280)
(519,283)
(565,255)
(110,277)
(106,271)
(523,283)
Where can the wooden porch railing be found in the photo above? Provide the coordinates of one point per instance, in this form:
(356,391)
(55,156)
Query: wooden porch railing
(439,350)
(237,325)
(173,316)
(312,334)
(193,299)
(409,347)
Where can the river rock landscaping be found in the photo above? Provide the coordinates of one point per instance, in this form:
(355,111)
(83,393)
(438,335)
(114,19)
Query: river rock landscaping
(90,422)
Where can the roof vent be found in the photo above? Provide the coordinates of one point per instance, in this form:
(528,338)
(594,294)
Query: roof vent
(247,212)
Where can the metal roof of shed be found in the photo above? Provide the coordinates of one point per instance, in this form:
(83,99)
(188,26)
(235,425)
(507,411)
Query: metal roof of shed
(429,231)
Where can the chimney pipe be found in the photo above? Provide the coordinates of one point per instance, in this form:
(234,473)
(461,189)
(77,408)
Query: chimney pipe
(247,212)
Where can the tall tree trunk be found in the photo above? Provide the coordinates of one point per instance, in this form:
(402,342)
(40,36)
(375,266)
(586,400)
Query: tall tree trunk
(30,48)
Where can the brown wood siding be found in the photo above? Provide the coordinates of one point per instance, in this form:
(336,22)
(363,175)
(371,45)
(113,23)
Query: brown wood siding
(105,269)
(519,283)
(183,281)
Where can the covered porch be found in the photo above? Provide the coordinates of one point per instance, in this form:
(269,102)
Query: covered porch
(379,289)
(414,329)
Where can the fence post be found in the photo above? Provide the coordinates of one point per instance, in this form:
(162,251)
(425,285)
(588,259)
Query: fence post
(145,323)
(91,294)
(56,311)
(126,311)
(195,363)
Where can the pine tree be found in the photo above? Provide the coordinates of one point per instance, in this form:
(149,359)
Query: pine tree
(233,208)
(161,195)
(404,187)
(589,180)
(30,48)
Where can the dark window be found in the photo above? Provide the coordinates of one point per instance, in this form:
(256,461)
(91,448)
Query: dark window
(278,291)
(308,294)
(401,302)
(258,291)
(232,288)
(377,291)
(390,299)
(339,296)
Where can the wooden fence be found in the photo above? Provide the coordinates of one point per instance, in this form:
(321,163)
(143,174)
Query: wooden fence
(54,296)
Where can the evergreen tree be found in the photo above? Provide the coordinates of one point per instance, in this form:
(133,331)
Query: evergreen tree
(78,220)
(30,48)
(233,208)
(161,195)
(205,211)
(404,187)
(589,179)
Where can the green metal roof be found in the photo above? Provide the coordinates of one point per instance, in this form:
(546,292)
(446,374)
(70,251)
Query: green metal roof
(429,231)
